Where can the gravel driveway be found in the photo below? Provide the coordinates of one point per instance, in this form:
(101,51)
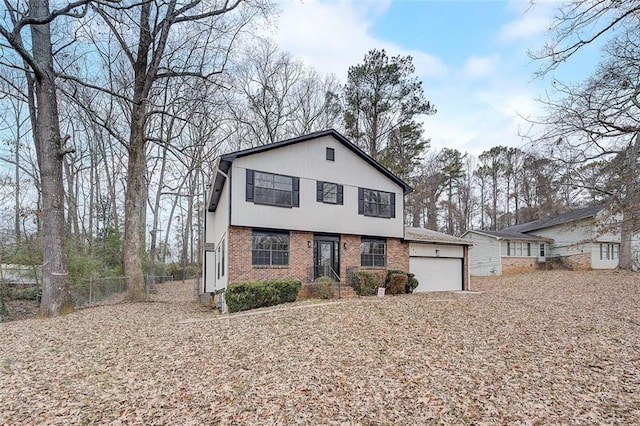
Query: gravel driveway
(539,348)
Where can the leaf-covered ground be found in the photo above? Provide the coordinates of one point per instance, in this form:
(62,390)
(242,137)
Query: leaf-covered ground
(546,347)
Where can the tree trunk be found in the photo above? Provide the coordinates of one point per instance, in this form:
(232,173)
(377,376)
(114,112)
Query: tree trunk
(631,218)
(56,297)
(626,235)
(134,204)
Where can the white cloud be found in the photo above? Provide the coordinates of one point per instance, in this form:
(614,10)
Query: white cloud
(478,101)
(331,36)
(532,20)
(480,66)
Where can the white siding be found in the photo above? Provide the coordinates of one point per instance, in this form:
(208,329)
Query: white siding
(216,226)
(308,162)
(484,255)
(569,238)
(435,250)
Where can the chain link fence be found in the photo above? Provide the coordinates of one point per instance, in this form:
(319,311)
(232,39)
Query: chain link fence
(96,290)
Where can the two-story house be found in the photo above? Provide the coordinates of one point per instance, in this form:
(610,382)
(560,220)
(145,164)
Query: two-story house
(313,206)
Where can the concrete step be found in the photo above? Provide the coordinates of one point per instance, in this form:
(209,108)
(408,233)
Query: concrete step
(346,292)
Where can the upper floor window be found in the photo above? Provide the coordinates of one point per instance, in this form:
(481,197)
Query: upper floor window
(270,248)
(331,193)
(376,203)
(373,252)
(273,189)
(331,154)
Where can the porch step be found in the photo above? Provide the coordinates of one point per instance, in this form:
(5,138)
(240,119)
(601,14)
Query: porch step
(346,292)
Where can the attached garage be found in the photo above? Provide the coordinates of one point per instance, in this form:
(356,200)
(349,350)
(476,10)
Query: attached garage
(439,261)
(436,274)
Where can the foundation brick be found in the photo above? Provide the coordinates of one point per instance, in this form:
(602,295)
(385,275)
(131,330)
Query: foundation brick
(516,265)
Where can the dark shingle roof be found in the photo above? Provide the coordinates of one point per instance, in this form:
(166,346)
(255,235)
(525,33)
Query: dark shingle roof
(555,220)
(225,161)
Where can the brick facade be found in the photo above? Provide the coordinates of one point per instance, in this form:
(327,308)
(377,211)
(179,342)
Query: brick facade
(515,265)
(241,269)
(301,256)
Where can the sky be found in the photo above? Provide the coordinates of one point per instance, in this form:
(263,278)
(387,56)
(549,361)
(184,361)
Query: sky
(471,55)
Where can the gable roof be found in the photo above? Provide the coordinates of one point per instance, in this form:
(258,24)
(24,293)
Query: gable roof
(224,161)
(422,235)
(508,235)
(571,216)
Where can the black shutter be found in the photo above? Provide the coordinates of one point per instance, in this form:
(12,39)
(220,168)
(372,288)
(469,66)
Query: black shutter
(319,191)
(249,185)
(340,195)
(360,200)
(296,191)
(393,204)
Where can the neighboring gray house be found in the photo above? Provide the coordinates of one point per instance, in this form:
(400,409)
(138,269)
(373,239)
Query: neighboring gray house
(314,206)
(586,238)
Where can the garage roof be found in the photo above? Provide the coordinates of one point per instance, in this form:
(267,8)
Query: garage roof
(422,235)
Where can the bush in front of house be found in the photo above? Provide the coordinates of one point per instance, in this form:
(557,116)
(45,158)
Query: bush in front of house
(397,284)
(366,283)
(321,288)
(412,283)
(243,296)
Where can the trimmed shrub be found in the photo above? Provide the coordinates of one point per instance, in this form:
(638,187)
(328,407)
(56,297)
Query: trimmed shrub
(322,288)
(366,283)
(243,296)
(397,283)
(412,283)
(288,289)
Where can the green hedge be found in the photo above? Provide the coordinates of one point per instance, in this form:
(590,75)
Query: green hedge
(243,296)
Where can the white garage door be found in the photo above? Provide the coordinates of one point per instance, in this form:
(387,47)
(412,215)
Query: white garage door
(436,274)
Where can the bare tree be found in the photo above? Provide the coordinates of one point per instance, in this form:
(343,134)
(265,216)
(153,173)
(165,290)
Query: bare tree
(38,62)
(172,40)
(579,23)
(597,123)
(274,96)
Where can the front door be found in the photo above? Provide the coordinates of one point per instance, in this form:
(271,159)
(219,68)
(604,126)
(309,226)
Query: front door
(326,256)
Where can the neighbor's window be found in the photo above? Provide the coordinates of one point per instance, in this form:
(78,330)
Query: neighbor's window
(270,248)
(376,203)
(330,193)
(542,250)
(272,189)
(609,251)
(373,252)
(518,249)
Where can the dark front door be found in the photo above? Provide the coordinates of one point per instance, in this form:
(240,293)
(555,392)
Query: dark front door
(326,256)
